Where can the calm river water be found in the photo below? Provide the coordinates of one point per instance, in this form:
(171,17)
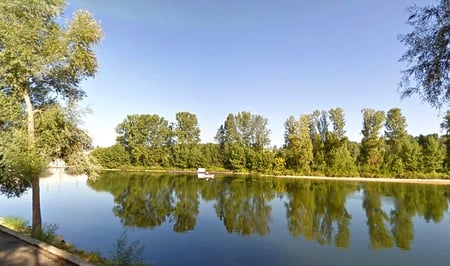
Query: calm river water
(240,220)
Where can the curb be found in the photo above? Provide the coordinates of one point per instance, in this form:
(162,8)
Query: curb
(46,247)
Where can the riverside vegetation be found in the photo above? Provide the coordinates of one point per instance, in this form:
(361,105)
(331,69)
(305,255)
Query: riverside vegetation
(314,144)
(124,253)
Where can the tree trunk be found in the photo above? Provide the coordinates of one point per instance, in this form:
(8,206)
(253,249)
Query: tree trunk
(36,199)
(36,203)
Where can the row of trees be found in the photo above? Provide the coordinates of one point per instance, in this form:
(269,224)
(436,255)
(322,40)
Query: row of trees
(315,144)
(317,211)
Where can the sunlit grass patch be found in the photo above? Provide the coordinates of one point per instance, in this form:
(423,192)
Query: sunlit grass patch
(15,223)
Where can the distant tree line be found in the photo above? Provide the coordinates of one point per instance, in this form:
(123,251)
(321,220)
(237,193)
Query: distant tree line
(314,144)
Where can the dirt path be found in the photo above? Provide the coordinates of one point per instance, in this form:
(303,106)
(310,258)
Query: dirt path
(14,251)
(18,249)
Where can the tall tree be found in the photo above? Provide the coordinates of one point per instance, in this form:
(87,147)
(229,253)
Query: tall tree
(253,130)
(337,154)
(42,58)
(396,136)
(371,155)
(433,153)
(261,132)
(228,137)
(428,54)
(411,155)
(298,144)
(146,138)
(318,128)
(241,138)
(337,119)
(395,125)
(186,140)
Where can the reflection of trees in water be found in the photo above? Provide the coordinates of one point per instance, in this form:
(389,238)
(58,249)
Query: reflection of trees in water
(315,210)
(185,211)
(141,201)
(380,237)
(410,200)
(243,205)
(12,185)
(402,227)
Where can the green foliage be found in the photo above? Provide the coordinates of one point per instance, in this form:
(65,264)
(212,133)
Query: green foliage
(43,60)
(372,148)
(11,113)
(338,158)
(52,56)
(243,139)
(445,125)
(111,157)
(15,223)
(396,139)
(433,151)
(186,141)
(279,166)
(127,254)
(314,144)
(299,147)
(211,156)
(237,157)
(18,164)
(411,155)
(59,135)
(427,54)
(145,138)
(395,127)
(46,233)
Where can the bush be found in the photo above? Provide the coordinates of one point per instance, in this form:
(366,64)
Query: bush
(47,233)
(125,254)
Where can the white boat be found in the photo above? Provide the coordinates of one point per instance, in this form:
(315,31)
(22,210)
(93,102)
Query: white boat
(201,173)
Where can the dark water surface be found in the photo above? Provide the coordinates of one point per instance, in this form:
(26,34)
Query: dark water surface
(249,220)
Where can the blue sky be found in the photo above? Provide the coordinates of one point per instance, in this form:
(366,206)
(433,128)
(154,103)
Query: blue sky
(272,58)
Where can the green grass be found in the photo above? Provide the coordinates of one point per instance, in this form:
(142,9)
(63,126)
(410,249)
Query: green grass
(16,223)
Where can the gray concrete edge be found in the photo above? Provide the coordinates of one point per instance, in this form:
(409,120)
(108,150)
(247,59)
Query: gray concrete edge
(46,247)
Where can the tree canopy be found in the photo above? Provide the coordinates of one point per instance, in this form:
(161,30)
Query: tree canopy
(428,54)
(43,59)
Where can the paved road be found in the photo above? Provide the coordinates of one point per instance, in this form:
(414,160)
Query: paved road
(17,252)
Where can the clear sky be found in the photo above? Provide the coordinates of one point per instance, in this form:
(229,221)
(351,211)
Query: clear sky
(273,58)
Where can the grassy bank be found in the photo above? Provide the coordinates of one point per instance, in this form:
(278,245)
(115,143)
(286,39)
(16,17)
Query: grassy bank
(124,253)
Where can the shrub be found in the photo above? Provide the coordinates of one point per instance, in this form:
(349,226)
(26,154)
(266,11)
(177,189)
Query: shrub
(125,254)
(47,233)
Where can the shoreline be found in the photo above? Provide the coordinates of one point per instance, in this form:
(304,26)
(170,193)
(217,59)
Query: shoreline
(373,179)
(432,181)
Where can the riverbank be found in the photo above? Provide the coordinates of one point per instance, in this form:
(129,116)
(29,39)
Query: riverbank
(374,179)
(433,181)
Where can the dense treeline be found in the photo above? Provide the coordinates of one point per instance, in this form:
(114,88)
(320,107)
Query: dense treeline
(314,144)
